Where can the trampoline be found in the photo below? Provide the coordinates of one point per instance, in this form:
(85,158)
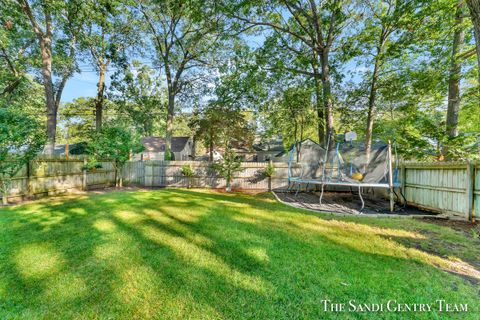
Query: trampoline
(347,165)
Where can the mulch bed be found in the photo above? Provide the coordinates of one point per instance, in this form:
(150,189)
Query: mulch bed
(346,203)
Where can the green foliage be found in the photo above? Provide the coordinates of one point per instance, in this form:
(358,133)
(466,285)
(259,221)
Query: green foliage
(114,143)
(220,125)
(188,172)
(92,164)
(269,170)
(168,156)
(228,166)
(140,98)
(21,139)
(291,115)
(77,120)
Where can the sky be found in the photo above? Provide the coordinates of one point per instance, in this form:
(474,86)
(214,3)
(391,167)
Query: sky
(81,85)
(84,84)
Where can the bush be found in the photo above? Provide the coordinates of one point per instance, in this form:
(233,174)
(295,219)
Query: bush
(269,170)
(188,172)
(114,143)
(92,164)
(228,166)
(168,155)
(21,138)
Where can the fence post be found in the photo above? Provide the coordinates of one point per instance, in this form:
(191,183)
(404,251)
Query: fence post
(390,177)
(470,188)
(29,181)
(147,174)
(84,177)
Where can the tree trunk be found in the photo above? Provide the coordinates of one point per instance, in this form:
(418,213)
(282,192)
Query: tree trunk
(455,74)
(297,144)
(170,113)
(319,105)
(327,96)
(474,6)
(4,192)
(45,43)
(120,178)
(210,147)
(372,97)
(99,99)
(46,52)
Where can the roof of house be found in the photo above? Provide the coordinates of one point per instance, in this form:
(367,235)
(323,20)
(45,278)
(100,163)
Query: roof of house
(157,144)
(274,144)
(73,148)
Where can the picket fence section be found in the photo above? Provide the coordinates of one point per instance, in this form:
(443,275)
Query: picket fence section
(449,188)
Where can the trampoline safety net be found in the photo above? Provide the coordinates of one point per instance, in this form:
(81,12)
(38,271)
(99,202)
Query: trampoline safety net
(346,163)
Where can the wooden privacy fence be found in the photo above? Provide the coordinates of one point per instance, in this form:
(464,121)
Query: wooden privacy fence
(54,176)
(168,174)
(449,188)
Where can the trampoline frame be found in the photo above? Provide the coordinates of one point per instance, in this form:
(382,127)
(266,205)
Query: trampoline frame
(391,184)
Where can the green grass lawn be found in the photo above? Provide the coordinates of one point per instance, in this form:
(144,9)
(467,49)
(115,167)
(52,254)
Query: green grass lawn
(174,254)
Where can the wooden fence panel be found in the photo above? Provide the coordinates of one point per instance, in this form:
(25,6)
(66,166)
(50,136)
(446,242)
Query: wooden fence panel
(103,177)
(476,191)
(441,187)
(168,174)
(449,188)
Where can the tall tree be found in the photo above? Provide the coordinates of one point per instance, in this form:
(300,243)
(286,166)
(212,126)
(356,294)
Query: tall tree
(139,96)
(16,40)
(105,32)
(222,126)
(474,6)
(52,23)
(318,25)
(182,33)
(455,72)
(292,116)
(384,19)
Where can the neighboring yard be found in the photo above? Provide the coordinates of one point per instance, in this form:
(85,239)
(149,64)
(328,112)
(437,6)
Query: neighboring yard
(201,254)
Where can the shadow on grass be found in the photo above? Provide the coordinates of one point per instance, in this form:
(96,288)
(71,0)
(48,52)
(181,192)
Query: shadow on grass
(179,253)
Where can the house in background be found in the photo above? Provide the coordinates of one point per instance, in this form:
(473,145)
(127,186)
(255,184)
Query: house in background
(266,150)
(183,148)
(79,148)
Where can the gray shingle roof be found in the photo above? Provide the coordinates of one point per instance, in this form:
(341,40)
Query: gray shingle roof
(157,144)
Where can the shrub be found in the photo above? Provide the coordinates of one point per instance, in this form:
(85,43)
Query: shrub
(114,143)
(188,172)
(269,170)
(168,155)
(21,138)
(227,167)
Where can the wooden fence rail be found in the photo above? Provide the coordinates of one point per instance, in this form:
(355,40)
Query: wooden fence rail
(449,188)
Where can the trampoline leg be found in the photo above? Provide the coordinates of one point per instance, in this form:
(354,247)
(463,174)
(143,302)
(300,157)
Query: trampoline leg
(306,187)
(321,195)
(404,199)
(361,198)
(298,189)
(392,201)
